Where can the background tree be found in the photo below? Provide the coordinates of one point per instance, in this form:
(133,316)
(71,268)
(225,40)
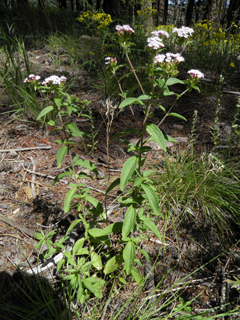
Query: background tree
(165,12)
(233,13)
(189,12)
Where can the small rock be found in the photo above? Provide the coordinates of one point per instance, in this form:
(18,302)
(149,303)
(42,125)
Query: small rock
(4,206)
(13,154)
(178,127)
(182,139)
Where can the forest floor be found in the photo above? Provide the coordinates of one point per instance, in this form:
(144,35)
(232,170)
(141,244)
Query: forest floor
(23,141)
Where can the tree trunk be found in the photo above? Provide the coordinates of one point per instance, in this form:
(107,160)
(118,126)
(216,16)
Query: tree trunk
(62,4)
(165,12)
(189,13)
(176,13)
(72,5)
(41,4)
(22,2)
(147,7)
(112,7)
(221,9)
(78,7)
(99,4)
(213,16)
(207,10)
(233,13)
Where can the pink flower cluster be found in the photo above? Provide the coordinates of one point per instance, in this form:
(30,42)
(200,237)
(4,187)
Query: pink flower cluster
(32,77)
(158,33)
(168,58)
(196,74)
(125,29)
(183,32)
(110,60)
(54,80)
(155,43)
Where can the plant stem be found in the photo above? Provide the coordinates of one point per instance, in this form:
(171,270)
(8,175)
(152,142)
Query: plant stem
(129,61)
(172,107)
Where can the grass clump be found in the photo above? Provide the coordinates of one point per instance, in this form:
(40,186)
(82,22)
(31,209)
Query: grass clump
(201,188)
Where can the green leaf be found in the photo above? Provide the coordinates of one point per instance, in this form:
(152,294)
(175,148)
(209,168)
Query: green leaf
(78,245)
(58,103)
(112,264)
(127,171)
(170,139)
(94,202)
(122,280)
(75,131)
(50,252)
(51,123)
(88,285)
(72,225)
(68,199)
(112,228)
(163,109)
(144,252)
(126,200)
(61,154)
(129,101)
(172,81)
(177,116)
(167,92)
(122,133)
(129,221)
(196,88)
(45,111)
(151,226)
(148,173)
(157,135)
(82,251)
(129,254)
(86,164)
(80,291)
(152,198)
(137,276)
(60,264)
(160,82)
(113,185)
(96,261)
(138,181)
(145,97)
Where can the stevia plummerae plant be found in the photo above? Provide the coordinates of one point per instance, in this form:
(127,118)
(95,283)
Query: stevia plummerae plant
(86,266)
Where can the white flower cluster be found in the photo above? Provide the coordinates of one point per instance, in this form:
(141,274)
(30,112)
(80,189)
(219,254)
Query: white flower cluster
(54,80)
(196,74)
(168,58)
(183,32)
(124,29)
(158,33)
(155,43)
(32,77)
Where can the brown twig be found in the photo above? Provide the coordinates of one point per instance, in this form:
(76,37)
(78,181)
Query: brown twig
(26,149)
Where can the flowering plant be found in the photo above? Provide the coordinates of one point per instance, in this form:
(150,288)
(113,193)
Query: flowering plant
(60,103)
(140,201)
(99,20)
(143,203)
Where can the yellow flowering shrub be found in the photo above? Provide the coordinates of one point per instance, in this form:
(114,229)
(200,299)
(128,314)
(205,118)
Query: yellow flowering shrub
(100,20)
(213,35)
(214,47)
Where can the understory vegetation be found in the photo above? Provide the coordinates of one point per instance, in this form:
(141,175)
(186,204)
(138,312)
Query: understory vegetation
(135,69)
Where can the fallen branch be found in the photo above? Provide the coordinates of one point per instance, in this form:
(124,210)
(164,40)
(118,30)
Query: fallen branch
(26,149)
(13,224)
